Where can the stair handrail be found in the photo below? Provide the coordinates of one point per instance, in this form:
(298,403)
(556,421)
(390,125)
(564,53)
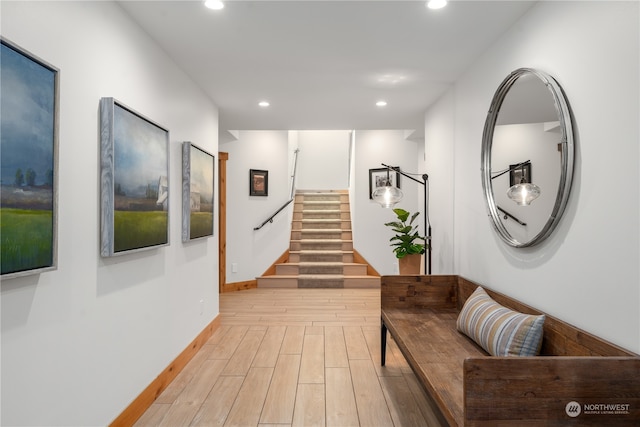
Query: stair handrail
(291,197)
(293,176)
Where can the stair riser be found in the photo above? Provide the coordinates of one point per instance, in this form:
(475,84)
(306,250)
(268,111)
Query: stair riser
(287,269)
(321,206)
(321,257)
(321,246)
(355,270)
(277,282)
(321,270)
(318,224)
(321,283)
(362,282)
(319,215)
(307,234)
(322,197)
(359,282)
(345,216)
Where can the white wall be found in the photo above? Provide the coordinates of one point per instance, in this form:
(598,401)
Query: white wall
(255,251)
(439,142)
(370,236)
(587,272)
(324,160)
(79,343)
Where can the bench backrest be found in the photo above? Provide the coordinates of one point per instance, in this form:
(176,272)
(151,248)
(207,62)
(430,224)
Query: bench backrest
(559,338)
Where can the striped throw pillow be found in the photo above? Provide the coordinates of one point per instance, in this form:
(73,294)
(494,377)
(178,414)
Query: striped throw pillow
(499,330)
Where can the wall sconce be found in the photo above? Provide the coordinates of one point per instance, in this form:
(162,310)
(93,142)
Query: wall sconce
(388,196)
(523,193)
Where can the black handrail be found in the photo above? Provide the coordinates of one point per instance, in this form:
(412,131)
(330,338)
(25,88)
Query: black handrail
(507,214)
(270,219)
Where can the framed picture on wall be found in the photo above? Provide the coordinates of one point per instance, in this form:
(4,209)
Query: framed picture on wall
(521,175)
(258,182)
(197,192)
(134,181)
(378,178)
(28,162)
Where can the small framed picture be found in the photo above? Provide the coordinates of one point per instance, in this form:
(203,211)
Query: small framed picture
(258,182)
(519,175)
(378,178)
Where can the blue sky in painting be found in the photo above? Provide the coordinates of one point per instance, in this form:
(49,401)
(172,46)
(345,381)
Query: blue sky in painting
(27,119)
(140,153)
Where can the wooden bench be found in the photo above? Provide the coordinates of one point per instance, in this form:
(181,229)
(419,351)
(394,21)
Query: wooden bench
(578,379)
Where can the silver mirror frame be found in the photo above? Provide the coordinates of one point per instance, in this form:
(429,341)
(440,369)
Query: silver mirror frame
(567,155)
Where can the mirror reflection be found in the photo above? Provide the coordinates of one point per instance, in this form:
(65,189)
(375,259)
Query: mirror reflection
(526,157)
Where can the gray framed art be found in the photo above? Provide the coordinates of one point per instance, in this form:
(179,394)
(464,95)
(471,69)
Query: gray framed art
(28,162)
(198,168)
(134,181)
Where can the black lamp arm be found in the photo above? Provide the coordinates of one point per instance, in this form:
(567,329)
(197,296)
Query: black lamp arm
(512,168)
(425,177)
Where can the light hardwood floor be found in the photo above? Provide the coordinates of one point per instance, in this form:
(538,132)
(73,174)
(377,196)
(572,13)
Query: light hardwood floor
(295,357)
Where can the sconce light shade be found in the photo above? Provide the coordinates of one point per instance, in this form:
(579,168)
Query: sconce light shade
(523,194)
(387,196)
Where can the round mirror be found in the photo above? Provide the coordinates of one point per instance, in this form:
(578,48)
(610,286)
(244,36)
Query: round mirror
(527,157)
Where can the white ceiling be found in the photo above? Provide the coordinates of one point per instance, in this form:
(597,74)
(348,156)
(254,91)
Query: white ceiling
(324,64)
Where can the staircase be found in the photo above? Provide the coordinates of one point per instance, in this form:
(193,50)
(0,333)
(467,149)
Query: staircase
(321,252)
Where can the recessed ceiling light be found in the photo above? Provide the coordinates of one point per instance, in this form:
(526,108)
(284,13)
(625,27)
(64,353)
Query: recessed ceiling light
(436,4)
(214,4)
(381,103)
(263,103)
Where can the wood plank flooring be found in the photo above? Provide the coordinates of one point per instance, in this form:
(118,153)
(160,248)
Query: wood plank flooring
(295,357)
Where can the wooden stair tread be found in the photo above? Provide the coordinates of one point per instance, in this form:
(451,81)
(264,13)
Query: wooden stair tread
(322,220)
(321,263)
(324,230)
(320,251)
(319,276)
(321,240)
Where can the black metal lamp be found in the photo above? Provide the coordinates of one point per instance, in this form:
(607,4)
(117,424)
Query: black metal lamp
(388,196)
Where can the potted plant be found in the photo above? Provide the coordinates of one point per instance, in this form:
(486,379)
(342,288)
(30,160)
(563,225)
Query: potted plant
(406,242)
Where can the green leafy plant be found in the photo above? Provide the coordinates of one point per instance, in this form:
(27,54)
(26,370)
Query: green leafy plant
(406,240)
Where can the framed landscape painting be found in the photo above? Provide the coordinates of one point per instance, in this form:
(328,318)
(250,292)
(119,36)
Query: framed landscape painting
(28,162)
(134,180)
(198,168)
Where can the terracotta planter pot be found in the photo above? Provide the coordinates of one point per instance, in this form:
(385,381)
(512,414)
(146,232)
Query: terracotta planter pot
(410,264)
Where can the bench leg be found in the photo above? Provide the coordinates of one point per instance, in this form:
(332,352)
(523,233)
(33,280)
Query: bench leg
(383,342)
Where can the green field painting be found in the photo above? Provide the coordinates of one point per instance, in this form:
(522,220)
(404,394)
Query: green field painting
(27,237)
(135,230)
(201,224)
